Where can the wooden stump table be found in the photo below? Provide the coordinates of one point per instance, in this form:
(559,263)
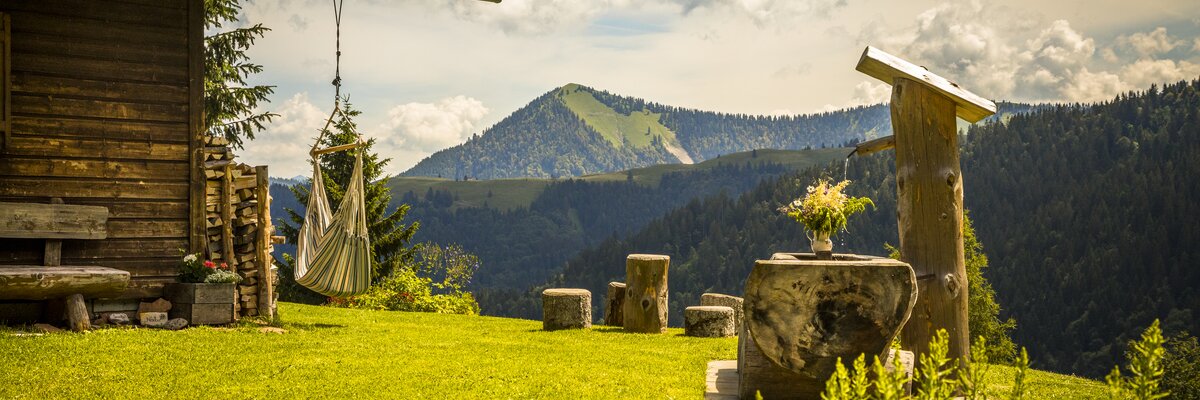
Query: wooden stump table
(566,309)
(708,321)
(645,308)
(614,303)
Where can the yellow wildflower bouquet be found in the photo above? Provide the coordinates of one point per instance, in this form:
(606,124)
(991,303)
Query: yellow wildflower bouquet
(825,207)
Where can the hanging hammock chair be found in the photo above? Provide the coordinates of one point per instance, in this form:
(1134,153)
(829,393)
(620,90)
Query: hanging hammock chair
(333,256)
(333,253)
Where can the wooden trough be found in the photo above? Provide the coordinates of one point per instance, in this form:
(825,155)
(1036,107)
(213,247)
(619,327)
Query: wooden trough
(802,314)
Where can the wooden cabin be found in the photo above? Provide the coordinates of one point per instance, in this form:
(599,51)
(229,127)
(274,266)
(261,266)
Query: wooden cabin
(103,104)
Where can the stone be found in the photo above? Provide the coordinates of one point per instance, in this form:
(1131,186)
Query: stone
(118,318)
(153,319)
(175,324)
(614,303)
(708,321)
(734,302)
(160,305)
(566,309)
(47,328)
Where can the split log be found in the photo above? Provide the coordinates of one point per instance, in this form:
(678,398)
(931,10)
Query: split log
(614,303)
(77,313)
(45,283)
(645,308)
(804,314)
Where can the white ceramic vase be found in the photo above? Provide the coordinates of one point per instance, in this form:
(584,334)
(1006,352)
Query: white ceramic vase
(821,243)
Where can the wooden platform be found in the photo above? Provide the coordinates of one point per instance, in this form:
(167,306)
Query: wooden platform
(721,380)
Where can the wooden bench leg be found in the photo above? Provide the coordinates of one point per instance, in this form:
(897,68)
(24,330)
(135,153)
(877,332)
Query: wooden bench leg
(77,313)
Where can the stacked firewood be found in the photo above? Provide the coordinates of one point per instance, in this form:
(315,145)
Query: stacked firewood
(237,206)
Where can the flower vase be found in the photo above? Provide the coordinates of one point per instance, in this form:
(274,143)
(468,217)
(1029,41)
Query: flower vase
(821,243)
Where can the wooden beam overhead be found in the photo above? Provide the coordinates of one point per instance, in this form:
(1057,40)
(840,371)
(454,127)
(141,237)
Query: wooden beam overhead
(886,67)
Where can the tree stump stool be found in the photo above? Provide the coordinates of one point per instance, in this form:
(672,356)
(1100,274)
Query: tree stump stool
(566,309)
(645,308)
(614,303)
(734,302)
(708,321)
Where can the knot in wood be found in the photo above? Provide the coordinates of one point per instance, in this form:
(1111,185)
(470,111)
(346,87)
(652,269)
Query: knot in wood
(952,285)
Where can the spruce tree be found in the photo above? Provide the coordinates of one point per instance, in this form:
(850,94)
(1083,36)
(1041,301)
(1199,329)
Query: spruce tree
(390,237)
(230,104)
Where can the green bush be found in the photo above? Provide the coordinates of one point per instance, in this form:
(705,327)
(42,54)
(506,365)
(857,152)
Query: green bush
(1181,367)
(434,282)
(1145,369)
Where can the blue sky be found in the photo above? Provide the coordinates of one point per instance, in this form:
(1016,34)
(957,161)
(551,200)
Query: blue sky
(430,73)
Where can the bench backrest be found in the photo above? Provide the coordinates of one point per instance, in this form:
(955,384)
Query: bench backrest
(52,221)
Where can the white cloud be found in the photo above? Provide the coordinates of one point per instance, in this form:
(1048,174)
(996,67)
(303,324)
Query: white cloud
(429,127)
(1149,44)
(868,92)
(284,145)
(1052,61)
(1196,45)
(1143,73)
(964,42)
(1092,87)
(530,17)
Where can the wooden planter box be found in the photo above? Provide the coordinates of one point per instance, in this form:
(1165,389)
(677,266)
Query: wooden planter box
(202,303)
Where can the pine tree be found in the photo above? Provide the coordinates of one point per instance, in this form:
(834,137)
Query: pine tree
(229,104)
(390,237)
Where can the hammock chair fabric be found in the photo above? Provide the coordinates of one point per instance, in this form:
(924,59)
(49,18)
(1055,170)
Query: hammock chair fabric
(333,255)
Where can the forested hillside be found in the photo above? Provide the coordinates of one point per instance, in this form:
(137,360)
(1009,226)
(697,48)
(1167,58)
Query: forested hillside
(1087,213)
(576,130)
(524,246)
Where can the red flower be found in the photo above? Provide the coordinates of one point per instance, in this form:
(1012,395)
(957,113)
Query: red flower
(209,264)
(224,266)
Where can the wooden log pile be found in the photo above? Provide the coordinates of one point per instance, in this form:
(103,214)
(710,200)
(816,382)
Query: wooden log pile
(237,206)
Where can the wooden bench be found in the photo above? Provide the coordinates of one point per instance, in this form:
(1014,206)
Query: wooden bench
(53,223)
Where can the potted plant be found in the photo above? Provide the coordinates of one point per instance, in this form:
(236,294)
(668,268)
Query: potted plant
(823,211)
(206,292)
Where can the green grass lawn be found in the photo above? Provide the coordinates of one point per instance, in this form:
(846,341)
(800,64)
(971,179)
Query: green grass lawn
(341,353)
(637,128)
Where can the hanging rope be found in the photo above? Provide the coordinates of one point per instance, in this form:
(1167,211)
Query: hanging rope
(337,89)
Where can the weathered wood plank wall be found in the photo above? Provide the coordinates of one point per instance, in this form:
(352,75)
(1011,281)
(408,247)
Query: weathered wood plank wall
(105,111)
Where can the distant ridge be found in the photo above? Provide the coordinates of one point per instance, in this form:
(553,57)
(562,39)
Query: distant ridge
(576,130)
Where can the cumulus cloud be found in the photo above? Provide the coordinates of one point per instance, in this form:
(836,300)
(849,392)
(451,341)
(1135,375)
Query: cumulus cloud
(1148,44)
(1001,56)
(429,127)
(868,92)
(764,12)
(284,145)
(1196,45)
(1143,73)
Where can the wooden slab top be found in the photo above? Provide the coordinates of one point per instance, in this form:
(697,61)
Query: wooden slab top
(886,67)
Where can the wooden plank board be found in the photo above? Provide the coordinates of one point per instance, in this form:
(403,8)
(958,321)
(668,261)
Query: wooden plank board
(112,12)
(137,267)
(124,228)
(145,133)
(35,187)
(25,104)
(721,380)
(886,67)
(144,52)
(45,146)
(33,84)
(96,68)
(52,221)
(5,80)
(76,251)
(121,208)
(83,168)
(42,283)
(84,28)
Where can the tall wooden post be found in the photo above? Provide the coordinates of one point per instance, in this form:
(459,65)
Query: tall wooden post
(929,188)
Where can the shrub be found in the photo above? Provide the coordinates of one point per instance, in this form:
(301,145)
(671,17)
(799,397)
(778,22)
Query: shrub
(1145,369)
(434,282)
(1181,367)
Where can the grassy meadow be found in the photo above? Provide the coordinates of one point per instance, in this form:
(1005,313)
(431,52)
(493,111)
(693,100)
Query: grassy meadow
(342,353)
